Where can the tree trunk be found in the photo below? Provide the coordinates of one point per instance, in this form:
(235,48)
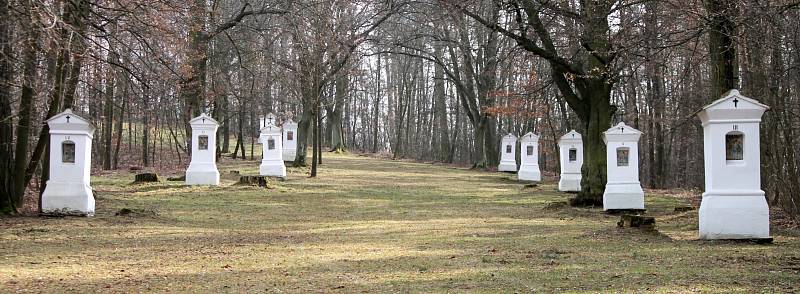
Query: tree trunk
(376,107)
(441,132)
(723,58)
(145,132)
(192,84)
(226,129)
(596,120)
(491,151)
(315,142)
(318,141)
(121,121)
(108,109)
(25,115)
(335,114)
(303,128)
(6,124)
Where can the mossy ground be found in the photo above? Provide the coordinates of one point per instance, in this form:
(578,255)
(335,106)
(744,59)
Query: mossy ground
(371,225)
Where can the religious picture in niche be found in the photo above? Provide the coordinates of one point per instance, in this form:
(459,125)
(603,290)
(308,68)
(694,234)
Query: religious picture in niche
(68,152)
(530,150)
(271,144)
(202,143)
(622,156)
(573,155)
(508,148)
(289,135)
(734,147)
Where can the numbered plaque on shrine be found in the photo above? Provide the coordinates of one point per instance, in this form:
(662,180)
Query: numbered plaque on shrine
(573,155)
(530,150)
(271,144)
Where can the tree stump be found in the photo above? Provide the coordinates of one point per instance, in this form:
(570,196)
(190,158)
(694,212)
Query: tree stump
(146,178)
(260,181)
(637,221)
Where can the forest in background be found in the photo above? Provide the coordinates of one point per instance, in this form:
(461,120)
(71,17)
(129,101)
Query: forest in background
(426,80)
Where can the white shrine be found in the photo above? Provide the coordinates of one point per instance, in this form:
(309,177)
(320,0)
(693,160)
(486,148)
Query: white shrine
(508,154)
(623,190)
(733,205)
(203,167)
(529,159)
(570,148)
(289,140)
(271,158)
(68,191)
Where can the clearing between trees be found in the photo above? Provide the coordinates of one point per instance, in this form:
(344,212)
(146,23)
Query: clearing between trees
(373,225)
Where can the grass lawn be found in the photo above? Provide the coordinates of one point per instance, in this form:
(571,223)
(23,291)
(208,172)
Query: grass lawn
(371,225)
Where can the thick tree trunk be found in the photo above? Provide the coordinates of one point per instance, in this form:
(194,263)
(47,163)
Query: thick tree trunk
(596,120)
(192,84)
(491,151)
(722,46)
(480,146)
(303,128)
(25,115)
(336,127)
(6,123)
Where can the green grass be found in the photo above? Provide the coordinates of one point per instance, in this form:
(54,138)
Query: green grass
(369,225)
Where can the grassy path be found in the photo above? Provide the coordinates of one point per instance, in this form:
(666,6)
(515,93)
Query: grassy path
(369,225)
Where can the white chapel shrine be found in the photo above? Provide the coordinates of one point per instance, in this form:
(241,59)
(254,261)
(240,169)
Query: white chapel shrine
(289,140)
(570,148)
(68,191)
(508,154)
(623,189)
(529,159)
(203,166)
(270,140)
(733,205)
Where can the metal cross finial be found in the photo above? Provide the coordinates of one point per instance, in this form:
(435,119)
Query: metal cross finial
(67,118)
(270,120)
(736,102)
